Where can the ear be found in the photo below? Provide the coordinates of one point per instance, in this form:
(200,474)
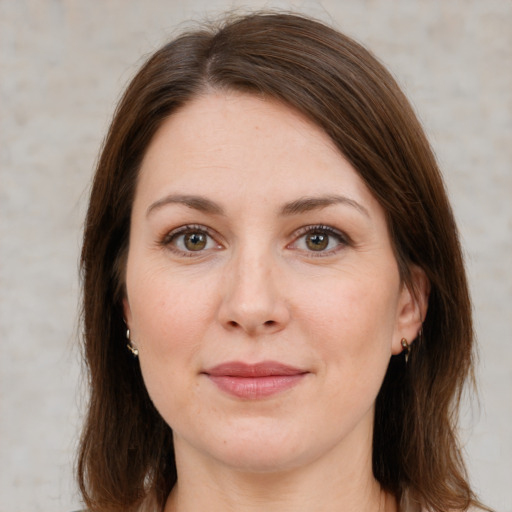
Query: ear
(412,308)
(127,312)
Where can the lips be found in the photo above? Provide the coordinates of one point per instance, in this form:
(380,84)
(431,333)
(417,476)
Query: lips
(254,381)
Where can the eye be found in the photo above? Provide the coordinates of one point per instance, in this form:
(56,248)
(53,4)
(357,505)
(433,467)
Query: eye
(319,239)
(190,239)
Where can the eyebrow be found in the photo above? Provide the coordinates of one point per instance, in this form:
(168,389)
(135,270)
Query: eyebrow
(199,203)
(306,204)
(302,205)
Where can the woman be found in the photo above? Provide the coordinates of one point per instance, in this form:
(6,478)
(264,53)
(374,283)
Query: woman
(275,306)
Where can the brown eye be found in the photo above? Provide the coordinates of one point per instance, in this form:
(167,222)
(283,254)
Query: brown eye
(320,240)
(195,241)
(317,241)
(187,240)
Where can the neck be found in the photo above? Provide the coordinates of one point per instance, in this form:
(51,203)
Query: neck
(218,488)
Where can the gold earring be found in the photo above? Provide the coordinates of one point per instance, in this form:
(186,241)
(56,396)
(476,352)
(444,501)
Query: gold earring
(406,347)
(131,348)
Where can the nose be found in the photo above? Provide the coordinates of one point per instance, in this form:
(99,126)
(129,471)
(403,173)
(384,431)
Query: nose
(252,296)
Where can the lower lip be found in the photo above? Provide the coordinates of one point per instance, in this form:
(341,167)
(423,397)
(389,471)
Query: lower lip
(253,388)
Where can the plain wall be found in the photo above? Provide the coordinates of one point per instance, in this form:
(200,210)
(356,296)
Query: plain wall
(63,65)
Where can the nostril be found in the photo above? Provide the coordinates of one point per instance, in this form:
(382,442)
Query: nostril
(270,323)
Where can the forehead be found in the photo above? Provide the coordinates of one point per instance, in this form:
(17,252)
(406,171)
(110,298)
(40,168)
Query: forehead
(229,141)
(225,120)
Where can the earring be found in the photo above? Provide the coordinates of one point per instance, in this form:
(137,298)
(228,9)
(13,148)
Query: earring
(134,350)
(406,347)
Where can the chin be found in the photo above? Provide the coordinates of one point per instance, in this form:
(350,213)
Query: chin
(263,459)
(262,448)
(256,445)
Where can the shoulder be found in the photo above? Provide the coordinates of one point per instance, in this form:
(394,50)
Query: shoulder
(409,504)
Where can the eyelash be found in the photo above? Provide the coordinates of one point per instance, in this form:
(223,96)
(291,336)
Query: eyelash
(343,239)
(170,238)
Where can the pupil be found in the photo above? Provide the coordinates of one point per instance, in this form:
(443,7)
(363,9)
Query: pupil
(317,241)
(195,241)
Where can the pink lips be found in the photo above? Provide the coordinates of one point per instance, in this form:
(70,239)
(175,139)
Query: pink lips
(254,381)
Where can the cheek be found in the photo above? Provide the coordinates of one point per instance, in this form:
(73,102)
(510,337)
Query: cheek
(353,332)
(169,320)
(168,326)
(167,309)
(353,321)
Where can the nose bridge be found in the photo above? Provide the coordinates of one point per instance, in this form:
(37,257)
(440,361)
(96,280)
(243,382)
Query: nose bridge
(252,300)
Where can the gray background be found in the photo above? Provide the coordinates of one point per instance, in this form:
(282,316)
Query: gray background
(63,66)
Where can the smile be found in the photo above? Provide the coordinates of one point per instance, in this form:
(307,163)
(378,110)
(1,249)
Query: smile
(254,381)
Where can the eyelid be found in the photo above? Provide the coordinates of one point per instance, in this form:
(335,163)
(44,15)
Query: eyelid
(167,239)
(343,238)
(170,236)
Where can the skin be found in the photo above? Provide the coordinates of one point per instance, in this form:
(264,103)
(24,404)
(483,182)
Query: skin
(236,168)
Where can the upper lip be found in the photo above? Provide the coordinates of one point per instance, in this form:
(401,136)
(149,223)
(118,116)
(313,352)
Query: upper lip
(262,369)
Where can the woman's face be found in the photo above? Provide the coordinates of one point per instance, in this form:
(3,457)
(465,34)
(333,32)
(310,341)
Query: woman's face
(262,290)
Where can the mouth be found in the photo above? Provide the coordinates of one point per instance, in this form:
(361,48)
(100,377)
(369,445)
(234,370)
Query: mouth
(254,381)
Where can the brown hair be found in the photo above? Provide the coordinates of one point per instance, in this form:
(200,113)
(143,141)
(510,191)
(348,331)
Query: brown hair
(126,451)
